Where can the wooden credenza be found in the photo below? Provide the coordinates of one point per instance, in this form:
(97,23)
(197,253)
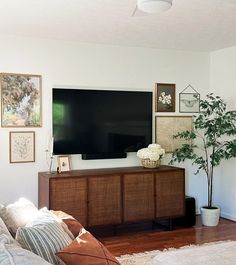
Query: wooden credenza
(116,195)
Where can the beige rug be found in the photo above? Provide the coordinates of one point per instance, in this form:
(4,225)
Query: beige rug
(219,253)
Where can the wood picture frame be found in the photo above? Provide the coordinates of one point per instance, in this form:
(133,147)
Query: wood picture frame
(167,126)
(22,146)
(189,102)
(21,100)
(164,97)
(63,164)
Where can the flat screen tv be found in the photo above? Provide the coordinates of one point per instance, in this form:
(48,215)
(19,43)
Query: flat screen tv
(101,123)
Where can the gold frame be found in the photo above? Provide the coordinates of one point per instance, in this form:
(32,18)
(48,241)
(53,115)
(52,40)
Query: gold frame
(21,155)
(169,126)
(39,123)
(61,167)
(160,87)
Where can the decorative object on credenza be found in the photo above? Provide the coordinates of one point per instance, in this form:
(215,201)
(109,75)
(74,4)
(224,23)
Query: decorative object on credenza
(189,102)
(151,156)
(63,164)
(21,100)
(49,154)
(22,147)
(164,97)
(214,128)
(167,126)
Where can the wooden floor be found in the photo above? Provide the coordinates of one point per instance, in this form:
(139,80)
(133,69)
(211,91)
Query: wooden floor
(153,239)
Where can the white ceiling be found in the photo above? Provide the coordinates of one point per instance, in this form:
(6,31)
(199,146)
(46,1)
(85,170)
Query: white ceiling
(197,25)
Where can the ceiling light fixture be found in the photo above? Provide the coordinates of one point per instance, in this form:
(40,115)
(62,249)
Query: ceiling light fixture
(154,6)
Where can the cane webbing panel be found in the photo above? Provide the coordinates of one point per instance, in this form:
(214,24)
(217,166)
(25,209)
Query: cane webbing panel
(104,200)
(138,197)
(70,195)
(170,194)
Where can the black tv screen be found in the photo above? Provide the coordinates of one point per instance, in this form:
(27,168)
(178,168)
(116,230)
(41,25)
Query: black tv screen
(101,122)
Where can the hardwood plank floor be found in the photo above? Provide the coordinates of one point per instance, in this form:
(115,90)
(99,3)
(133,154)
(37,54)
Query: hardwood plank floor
(153,239)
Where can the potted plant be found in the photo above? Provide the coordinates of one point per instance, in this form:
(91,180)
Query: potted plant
(209,143)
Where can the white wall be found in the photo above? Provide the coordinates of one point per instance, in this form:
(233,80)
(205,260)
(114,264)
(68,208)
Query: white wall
(72,64)
(223,83)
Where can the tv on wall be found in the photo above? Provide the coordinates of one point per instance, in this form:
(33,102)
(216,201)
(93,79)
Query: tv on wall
(101,123)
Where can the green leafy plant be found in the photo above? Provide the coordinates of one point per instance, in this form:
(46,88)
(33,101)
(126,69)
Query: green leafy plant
(211,139)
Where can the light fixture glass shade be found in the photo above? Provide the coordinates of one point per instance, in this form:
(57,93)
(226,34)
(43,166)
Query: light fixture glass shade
(154,6)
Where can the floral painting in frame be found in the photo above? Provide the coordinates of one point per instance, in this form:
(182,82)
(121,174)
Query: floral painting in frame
(164,97)
(21,100)
(22,147)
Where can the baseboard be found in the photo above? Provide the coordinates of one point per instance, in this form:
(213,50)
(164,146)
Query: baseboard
(228,216)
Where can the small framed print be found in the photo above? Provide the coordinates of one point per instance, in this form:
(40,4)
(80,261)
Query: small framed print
(164,97)
(63,164)
(22,147)
(189,102)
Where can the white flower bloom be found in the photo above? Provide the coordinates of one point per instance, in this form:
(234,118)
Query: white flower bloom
(165,99)
(153,152)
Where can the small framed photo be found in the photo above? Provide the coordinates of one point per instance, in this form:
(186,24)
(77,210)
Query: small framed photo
(164,97)
(22,147)
(63,163)
(189,102)
(21,100)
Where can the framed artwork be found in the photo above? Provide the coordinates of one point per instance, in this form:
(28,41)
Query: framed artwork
(63,164)
(167,126)
(189,102)
(22,147)
(21,100)
(164,97)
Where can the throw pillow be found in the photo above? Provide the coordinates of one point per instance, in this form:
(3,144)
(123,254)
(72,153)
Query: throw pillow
(11,254)
(86,250)
(73,225)
(5,236)
(18,214)
(47,216)
(44,240)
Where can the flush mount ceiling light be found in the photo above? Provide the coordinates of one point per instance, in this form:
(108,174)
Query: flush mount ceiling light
(154,6)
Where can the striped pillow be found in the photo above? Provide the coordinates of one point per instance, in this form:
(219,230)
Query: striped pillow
(44,240)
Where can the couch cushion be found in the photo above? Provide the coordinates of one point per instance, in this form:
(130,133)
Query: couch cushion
(44,240)
(5,236)
(11,254)
(86,250)
(18,214)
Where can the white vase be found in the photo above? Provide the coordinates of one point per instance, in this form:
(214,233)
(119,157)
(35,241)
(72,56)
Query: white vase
(210,217)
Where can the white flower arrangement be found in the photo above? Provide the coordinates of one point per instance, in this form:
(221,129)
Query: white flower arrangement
(154,152)
(165,99)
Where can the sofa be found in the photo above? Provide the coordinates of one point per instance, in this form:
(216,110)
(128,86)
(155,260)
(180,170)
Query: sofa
(29,236)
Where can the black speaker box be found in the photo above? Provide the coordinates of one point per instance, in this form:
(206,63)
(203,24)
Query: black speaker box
(190,214)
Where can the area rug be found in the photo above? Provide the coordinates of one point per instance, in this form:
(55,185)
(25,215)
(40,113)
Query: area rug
(218,253)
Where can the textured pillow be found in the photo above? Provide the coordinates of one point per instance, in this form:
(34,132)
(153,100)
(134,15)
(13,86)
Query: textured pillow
(18,214)
(5,236)
(73,225)
(86,250)
(15,255)
(45,216)
(44,240)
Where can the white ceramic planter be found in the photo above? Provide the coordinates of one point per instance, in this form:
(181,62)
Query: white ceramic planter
(210,217)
